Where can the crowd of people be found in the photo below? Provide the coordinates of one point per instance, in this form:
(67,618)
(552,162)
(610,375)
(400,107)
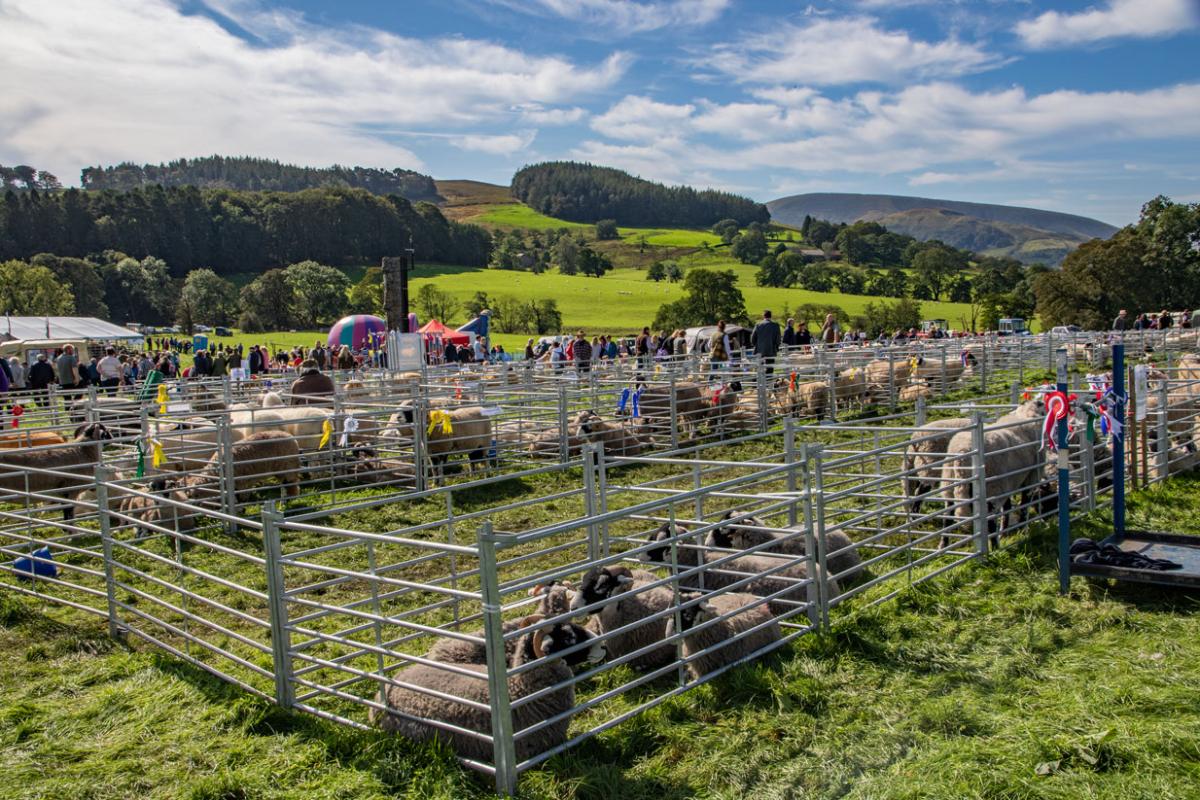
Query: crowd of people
(1151,322)
(164,359)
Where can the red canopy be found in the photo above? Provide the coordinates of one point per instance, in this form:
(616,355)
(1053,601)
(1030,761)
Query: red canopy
(433,327)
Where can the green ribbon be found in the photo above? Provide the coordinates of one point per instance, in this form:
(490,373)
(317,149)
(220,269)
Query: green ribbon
(141,467)
(1092,416)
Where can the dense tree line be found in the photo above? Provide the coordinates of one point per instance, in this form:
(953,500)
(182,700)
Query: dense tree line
(23,177)
(258,174)
(588,193)
(1151,265)
(537,251)
(233,231)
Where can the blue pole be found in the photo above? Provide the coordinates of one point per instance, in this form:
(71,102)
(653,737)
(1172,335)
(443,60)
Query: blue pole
(1064,484)
(1118,442)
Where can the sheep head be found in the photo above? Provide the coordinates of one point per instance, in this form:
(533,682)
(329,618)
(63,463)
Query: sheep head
(557,597)
(549,641)
(695,614)
(92,432)
(599,584)
(729,537)
(662,536)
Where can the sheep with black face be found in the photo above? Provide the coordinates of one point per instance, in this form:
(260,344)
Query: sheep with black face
(627,600)
(409,712)
(842,558)
(712,642)
(554,600)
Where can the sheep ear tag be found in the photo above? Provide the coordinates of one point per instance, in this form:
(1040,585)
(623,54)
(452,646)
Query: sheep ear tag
(624,580)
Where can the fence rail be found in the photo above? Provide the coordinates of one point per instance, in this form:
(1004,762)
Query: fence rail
(406,601)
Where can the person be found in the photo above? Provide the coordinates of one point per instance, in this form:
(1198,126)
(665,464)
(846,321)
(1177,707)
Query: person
(345,360)
(17,370)
(679,345)
(312,386)
(144,365)
(766,339)
(66,367)
(1121,323)
(41,374)
(829,329)
(1186,320)
(480,349)
(449,352)
(557,355)
(257,364)
(220,365)
(319,354)
(202,364)
(1164,320)
(804,335)
(582,354)
(718,347)
(641,349)
(789,333)
(1139,323)
(110,370)
(529,356)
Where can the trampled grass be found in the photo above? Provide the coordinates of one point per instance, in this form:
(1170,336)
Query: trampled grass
(982,683)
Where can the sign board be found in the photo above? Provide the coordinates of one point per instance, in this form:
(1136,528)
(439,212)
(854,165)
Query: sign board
(405,352)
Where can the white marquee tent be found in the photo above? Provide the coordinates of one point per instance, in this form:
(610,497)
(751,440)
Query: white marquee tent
(87,329)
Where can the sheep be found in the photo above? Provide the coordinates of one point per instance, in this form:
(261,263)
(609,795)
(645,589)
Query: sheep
(30,437)
(634,602)
(941,374)
(922,463)
(720,400)
(150,511)
(1011,458)
(691,408)
(78,457)
(538,645)
(108,409)
(915,391)
(842,558)
(554,600)
(616,439)
(704,632)
(458,430)
(850,386)
(690,556)
(256,460)
(881,373)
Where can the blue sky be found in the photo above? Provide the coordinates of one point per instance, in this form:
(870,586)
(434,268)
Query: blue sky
(1090,108)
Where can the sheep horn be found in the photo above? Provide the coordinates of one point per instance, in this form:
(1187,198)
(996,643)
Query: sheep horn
(538,648)
(624,579)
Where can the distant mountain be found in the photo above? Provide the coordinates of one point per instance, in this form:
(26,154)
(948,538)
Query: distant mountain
(1028,234)
(259,174)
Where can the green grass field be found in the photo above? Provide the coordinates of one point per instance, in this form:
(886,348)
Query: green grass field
(983,683)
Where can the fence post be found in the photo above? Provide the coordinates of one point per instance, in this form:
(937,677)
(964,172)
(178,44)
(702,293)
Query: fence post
(789,458)
(815,530)
(1020,360)
(945,384)
(673,410)
(589,500)
(979,476)
(764,413)
(564,427)
(1064,481)
(419,434)
(1087,465)
(504,757)
(277,606)
(832,378)
(103,475)
(1015,392)
(226,479)
(1162,455)
(920,412)
(891,380)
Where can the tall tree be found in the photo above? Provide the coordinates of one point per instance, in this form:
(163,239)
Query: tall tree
(31,290)
(320,292)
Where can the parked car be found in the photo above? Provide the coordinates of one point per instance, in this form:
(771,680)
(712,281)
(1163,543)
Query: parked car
(220,331)
(1065,330)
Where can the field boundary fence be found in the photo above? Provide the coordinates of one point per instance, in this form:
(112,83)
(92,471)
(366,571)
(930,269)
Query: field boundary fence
(461,621)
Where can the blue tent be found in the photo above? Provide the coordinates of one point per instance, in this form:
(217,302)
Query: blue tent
(478,326)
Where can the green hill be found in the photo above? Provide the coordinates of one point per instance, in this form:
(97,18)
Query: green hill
(1028,234)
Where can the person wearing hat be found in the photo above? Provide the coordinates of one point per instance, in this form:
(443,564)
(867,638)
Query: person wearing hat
(312,386)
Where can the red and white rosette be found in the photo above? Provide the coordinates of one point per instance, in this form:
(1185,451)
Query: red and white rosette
(1057,408)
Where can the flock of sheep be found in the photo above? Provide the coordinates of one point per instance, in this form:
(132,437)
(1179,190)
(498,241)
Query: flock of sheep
(723,602)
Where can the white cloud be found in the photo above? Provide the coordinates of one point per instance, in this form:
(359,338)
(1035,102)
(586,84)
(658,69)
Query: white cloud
(99,81)
(1119,18)
(640,118)
(843,51)
(625,16)
(499,144)
(540,115)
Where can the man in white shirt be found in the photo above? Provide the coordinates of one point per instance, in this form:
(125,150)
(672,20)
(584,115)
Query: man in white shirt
(109,368)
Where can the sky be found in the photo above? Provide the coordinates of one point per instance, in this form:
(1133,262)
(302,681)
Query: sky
(1085,107)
